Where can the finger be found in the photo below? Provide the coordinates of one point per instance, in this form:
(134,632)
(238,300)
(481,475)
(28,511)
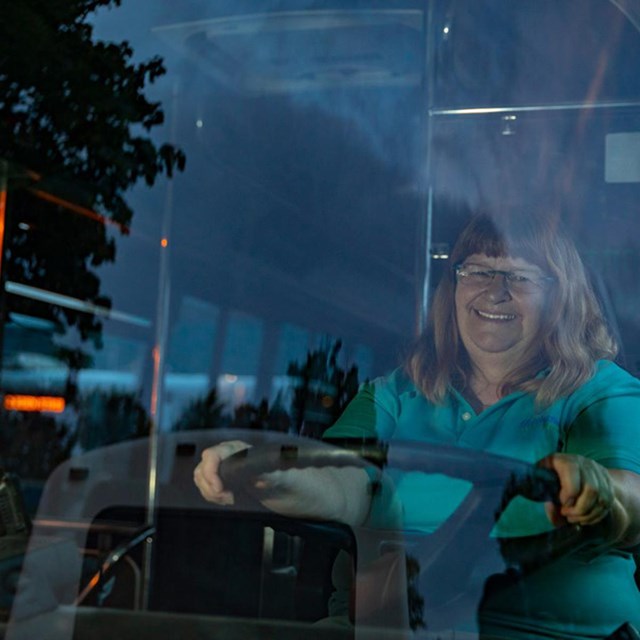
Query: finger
(596,497)
(209,492)
(569,474)
(208,469)
(213,456)
(597,514)
(554,515)
(597,511)
(277,481)
(206,474)
(587,501)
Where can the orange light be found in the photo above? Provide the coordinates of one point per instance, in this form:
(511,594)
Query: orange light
(76,208)
(164,242)
(51,404)
(156,375)
(327,402)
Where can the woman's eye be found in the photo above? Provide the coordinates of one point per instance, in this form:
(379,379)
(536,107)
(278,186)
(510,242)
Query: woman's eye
(517,277)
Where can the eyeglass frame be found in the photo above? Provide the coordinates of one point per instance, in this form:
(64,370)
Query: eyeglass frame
(538,281)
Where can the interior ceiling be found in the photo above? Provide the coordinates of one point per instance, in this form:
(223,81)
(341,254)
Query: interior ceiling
(305,50)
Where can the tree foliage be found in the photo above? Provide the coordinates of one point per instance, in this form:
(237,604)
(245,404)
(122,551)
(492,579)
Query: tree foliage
(321,389)
(74,123)
(106,417)
(33,444)
(202,413)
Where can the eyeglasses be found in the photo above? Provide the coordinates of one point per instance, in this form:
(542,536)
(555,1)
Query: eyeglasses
(519,282)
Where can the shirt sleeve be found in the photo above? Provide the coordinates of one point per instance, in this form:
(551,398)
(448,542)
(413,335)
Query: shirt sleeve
(608,431)
(371,414)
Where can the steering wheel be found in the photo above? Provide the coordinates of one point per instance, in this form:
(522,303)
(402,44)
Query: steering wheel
(446,557)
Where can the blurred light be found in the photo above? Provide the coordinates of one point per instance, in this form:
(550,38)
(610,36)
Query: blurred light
(76,208)
(507,122)
(230,378)
(445,30)
(51,404)
(199,124)
(440,251)
(327,402)
(164,242)
(94,581)
(24,226)
(42,295)
(155,356)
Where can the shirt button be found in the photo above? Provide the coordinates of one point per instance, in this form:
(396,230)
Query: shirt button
(466,416)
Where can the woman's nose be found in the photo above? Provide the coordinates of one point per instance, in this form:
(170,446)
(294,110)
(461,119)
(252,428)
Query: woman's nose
(498,289)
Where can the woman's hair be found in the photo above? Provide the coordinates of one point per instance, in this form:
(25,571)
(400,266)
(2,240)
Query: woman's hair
(572,335)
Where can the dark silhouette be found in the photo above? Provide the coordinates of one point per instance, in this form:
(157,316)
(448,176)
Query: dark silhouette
(107,417)
(70,110)
(202,413)
(33,444)
(321,389)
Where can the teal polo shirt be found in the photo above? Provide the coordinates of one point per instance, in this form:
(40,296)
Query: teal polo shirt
(600,420)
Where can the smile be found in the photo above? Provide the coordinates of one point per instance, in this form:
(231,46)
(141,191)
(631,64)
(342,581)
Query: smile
(496,316)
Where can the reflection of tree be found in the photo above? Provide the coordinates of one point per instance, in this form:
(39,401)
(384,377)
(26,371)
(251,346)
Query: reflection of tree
(33,444)
(105,417)
(262,416)
(201,413)
(75,359)
(73,113)
(321,391)
(414,600)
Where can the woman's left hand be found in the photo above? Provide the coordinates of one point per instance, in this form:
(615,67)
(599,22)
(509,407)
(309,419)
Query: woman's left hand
(587,492)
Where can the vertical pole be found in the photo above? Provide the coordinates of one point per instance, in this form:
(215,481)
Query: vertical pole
(4,186)
(4,181)
(159,356)
(423,259)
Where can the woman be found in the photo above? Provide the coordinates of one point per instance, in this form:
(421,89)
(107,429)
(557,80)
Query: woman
(515,360)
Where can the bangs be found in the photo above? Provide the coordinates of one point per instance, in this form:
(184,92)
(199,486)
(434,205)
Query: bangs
(514,237)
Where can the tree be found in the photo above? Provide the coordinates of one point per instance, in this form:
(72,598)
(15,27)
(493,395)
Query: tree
(105,417)
(74,121)
(33,444)
(202,413)
(321,389)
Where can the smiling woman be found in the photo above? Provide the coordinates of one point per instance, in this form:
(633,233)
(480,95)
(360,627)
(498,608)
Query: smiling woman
(493,335)
(516,334)
(497,320)
(515,360)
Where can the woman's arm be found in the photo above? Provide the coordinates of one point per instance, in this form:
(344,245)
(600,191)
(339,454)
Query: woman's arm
(342,494)
(206,476)
(626,508)
(600,470)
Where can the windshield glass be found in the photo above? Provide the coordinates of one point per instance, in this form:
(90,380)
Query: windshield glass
(403,232)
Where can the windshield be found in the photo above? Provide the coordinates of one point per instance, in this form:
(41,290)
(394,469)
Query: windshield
(223,221)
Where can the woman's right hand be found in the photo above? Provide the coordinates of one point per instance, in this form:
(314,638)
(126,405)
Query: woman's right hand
(327,493)
(206,477)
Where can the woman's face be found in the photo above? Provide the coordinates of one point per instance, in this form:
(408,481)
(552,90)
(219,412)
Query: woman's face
(495,318)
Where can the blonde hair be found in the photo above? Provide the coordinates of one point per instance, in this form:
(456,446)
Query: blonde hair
(572,337)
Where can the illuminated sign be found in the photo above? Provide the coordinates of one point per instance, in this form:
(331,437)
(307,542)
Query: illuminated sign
(51,404)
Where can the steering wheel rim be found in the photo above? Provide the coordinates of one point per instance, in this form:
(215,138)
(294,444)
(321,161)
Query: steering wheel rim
(496,481)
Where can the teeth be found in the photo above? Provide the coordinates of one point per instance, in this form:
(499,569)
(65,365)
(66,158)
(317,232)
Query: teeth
(495,316)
